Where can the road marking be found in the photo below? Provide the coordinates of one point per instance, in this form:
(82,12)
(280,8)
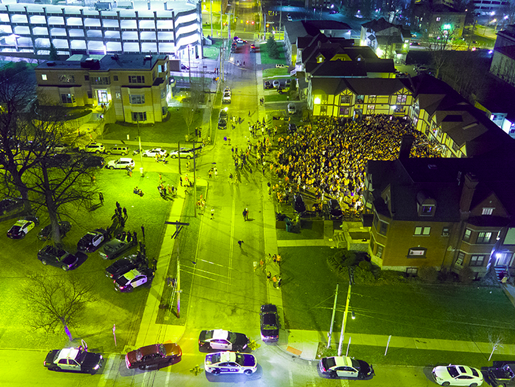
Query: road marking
(291,377)
(107,370)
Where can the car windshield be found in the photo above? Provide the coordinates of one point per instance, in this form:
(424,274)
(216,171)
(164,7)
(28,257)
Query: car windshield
(240,359)
(453,371)
(215,358)
(269,321)
(328,362)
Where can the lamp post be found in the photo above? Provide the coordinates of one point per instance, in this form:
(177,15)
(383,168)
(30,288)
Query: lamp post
(344,323)
(332,317)
(211,9)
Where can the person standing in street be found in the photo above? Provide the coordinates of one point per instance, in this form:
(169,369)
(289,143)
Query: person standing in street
(212,213)
(279,280)
(245,215)
(240,243)
(274,280)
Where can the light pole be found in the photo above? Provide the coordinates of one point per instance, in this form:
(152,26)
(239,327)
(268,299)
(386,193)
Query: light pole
(342,334)
(211,18)
(332,317)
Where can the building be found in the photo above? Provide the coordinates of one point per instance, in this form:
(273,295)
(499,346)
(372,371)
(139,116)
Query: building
(444,213)
(389,41)
(486,7)
(140,27)
(136,87)
(298,34)
(435,20)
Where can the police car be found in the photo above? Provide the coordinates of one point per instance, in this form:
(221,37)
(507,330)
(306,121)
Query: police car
(132,279)
(221,340)
(22,227)
(345,367)
(230,363)
(92,240)
(73,359)
(154,152)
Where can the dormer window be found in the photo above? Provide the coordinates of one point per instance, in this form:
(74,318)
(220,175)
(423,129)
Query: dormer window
(487,211)
(320,59)
(426,205)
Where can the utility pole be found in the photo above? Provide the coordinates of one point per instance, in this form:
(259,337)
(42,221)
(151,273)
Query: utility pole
(211,19)
(342,334)
(332,317)
(189,66)
(195,176)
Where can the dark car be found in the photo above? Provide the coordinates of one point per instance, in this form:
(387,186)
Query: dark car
(268,85)
(269,323)
(124,265)
(54,256)
(334,209)
(502,373)
(156,355)
(74,360)
(115,247)
(92,240)
(222,123)
(46,232)
(221,340)
(22,227)
(345,367)
(298,204)
(93,162)
(58,160)
(8,205)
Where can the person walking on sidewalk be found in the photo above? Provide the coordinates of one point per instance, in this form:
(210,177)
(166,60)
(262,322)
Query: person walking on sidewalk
(274,280)
(240,243)
(268,276)
(279,280)
(245,215)
(101,197)
(212,213)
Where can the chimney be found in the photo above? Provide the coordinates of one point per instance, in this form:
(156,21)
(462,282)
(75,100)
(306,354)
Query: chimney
(467,193)
(406,144)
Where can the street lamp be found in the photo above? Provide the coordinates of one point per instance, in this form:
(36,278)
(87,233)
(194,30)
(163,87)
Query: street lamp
(344,322)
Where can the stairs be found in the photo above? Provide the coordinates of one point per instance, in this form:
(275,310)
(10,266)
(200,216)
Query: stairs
(501,271)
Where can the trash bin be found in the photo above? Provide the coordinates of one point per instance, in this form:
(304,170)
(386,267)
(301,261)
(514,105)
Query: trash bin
(289,227)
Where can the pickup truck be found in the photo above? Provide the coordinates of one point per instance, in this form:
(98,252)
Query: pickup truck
(502,373)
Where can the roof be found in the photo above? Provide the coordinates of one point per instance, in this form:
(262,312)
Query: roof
(304,28)
(508,51)
(360,86)
(219,334)
(343,361)
(125,62)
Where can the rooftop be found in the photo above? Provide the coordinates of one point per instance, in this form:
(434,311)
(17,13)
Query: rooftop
(105,62)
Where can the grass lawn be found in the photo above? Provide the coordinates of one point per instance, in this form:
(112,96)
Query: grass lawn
(276,98)
(276,72)
(411,309)
(212,52)
(265,59)
(172,130)
(418,357)
(309,230)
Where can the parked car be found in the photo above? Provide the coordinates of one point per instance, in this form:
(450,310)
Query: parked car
(124,265)
(280,66)
(346,367)
(268,85)
(291,108)
(155,151)
(58,160)
(502,373)
(227,90)
(92,240)
(230,363)
(222,119)
(276,84)
(133,279)
(121,163)
(22,227)
(186,153)
(93,162)
(115,247)
(73,359)
(8,205)
(289,18)
(457,375)
(118,150)
(184,67)
(335,209)
(227,97)
(333,11)
(55,256)
(94,148)
(46,232)
(221,340)
(158,355)
(269,323)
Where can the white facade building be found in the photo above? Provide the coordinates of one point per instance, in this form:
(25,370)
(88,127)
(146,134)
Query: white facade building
(147,27)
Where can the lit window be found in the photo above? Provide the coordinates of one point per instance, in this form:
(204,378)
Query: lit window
(445,231)
(487,211)
(427,209)
(466,236)
(477,260)
(43,77)
(484,238)
(438,19)
(137,99)
(422,230)
(461,257)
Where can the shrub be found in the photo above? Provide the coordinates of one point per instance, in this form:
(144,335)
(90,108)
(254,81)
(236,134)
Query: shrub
(363,275)
(364,265)
(391,277)
(466,275)
(349,258)
(428,274)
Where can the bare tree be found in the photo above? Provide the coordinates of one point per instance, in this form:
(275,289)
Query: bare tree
(56,301)
(192,103)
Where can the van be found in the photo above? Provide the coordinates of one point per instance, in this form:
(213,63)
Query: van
(118,150)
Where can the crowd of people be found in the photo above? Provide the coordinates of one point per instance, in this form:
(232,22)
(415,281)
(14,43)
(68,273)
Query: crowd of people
(328,158)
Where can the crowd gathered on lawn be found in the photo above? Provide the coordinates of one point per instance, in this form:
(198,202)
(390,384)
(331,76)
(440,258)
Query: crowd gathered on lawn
(328,158)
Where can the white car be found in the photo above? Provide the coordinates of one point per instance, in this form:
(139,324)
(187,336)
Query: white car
(276,84)
(186,153)
(291,108)
(227,90)
(22,227)
(227,97)
(122,163)
(153,152)
(230,363)
(457,375)
(346,367)
(94,147)
(132,279)
(222,340)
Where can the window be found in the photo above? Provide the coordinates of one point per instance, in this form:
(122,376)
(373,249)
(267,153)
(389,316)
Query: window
(461,257)
(383,227)
(484,238)
(163,93)
(445,231)
(438,19)
(411,271)
(67,98)
(344,111)
(379,252)
(136,79)
(427,209)
(372,98)
(477,260)
(323,109)
(66,78)
(422,230)
(43,77)
(101,81)
(345,98)
(86,78)
(138,117)
(371,107)
(115,78)
(417,252)
(118,95)
(402,98)
(487,211)
(137,99)
(466,236)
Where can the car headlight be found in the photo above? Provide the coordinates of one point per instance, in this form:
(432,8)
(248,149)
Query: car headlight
(96,367)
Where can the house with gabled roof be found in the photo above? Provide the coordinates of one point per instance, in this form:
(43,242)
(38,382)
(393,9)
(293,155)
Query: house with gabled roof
(386,39)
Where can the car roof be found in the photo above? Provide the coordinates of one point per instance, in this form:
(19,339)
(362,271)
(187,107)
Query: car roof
(342,361)
(68,353)
(130,275)
(219,334)
(227,356)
